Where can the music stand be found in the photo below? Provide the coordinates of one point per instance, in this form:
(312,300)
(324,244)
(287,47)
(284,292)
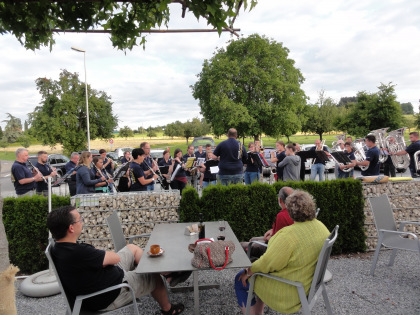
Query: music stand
(322,156)
(190,162)
(120,171)
(304,155)
(164,169)
(211,163)
(341,157)
(178,167)
(59,181)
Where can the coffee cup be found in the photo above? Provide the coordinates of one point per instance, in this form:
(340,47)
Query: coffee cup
(154,249)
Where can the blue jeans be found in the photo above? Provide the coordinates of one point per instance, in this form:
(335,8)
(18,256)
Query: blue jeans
(230,179)
(207,184)
(342,174)
(317,168)
(251,177)
(242,292)
(151,187)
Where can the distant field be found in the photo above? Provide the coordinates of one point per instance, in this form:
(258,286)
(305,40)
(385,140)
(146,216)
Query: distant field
(162,142)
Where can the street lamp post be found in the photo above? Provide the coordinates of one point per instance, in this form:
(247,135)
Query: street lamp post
(86,92)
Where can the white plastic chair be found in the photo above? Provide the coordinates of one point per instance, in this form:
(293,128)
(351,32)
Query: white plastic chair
(117,233)
(388,235)
(317,286)
(77,307)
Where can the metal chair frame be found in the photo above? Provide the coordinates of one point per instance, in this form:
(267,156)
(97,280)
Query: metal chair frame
(317,286)
(388,235)
(77,307)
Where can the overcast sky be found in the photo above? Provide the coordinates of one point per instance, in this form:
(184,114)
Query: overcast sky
(340,46)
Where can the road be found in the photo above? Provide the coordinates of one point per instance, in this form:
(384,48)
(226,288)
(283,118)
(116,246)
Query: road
(7,189)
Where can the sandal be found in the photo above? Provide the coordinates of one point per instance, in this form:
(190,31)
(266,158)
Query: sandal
(175,309)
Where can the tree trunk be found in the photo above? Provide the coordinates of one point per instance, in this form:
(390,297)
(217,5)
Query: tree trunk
(320,136)
(4,245)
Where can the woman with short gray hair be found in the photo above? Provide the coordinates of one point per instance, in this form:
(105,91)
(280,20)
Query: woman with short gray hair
(292,253)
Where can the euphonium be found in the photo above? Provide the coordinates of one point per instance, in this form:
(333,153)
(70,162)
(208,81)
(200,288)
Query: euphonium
(359,153)
(380,142)
(395,142)
(416,161)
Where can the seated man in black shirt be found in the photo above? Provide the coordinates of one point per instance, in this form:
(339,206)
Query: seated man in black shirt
(84,269)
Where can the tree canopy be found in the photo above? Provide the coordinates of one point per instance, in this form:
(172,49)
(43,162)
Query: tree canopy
(61,118)
(13,129)
(407,108)
(126,132)
(373,111)
(321,116)
(34,22)
(248,86)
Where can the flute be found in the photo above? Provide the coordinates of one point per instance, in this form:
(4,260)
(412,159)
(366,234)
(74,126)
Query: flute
(100,173)
(37,170)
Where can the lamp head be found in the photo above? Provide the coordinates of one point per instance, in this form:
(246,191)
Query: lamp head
(78,49)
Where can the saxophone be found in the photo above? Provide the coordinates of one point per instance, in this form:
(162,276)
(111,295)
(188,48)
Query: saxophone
(395,142)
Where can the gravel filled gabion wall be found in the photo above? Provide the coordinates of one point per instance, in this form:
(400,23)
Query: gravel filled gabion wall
(138,213)
(405,201)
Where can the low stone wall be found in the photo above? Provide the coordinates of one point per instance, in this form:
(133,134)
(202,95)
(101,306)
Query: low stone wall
(138,213)
(405,201)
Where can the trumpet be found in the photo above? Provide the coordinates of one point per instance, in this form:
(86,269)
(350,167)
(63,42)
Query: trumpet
(37,170)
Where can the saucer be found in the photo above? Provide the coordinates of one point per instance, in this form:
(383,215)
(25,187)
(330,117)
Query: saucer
(156,255)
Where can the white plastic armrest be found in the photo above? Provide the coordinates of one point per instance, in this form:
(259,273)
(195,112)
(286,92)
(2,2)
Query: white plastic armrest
(132,238)
(398,232)
(294,283)
(259,243)
(403,223)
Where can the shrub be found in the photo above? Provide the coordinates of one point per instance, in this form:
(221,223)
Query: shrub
(250,210)
(25,224)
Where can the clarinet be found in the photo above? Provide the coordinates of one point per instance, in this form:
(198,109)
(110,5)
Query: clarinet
(111,186)
(153,172)
(99,171)
(37,170)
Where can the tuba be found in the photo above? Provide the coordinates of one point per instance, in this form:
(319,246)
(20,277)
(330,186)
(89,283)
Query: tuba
(380,143)
(359,153)
(395,142)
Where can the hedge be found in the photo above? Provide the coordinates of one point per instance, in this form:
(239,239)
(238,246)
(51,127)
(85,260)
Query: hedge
(250,210)
(26,229)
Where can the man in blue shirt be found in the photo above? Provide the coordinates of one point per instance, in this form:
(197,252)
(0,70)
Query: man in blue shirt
(410,150)
(46,170)
(147,165)
(22,177)
(349,152)
(372,157)
(71,167)
(231,153)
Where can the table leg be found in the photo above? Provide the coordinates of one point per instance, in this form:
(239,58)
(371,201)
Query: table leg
(196,293)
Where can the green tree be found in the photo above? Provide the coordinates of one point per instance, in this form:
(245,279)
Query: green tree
(13,129)
(34,22)
(61,118)
(126,132)
(3,144)
(175,129)
(151,132)
(249,85)
(373,111)
(321,116)
(25,140)
(1,133)
(407,108)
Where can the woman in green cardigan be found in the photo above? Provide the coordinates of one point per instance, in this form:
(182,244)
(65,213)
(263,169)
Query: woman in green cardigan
(292,253)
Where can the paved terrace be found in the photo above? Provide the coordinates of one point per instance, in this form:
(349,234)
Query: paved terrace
(393,290)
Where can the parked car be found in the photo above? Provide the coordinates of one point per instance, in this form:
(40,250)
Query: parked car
(203,141)
(156,154)
(58,161)
(329,166)
(120,151)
